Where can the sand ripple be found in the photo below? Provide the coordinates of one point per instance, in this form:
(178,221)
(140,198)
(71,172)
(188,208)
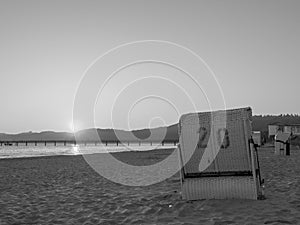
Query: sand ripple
(65,190)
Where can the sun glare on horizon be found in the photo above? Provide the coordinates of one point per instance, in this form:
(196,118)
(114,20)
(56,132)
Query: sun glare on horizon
(71,127)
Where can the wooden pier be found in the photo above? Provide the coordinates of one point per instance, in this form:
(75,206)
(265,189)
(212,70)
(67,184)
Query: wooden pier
(73,142)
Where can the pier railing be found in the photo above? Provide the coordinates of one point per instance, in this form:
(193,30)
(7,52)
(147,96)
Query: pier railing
(73,142)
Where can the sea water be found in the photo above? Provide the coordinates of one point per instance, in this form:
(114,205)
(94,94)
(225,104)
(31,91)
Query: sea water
(31,150)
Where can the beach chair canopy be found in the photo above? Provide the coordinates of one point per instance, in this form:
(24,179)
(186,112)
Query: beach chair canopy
(217,140)
(282,137)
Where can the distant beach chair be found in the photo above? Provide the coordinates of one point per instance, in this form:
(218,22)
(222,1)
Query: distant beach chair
(282,143)
(218,162)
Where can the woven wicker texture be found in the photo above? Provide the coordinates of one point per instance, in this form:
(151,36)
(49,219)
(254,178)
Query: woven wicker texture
(203,137)
(219,188)
(218,142)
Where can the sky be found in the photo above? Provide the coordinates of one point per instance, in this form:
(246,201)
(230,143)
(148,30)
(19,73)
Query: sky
(51,56)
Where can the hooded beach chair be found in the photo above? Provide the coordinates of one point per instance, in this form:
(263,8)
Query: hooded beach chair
(218,156)
(282,143)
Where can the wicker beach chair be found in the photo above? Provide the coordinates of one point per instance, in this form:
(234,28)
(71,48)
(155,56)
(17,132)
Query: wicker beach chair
(218,156)
(282,143)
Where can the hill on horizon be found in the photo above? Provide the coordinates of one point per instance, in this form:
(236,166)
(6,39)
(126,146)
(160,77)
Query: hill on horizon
(260,123)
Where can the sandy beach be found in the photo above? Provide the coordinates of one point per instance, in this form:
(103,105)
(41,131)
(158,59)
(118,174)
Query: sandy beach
(66,190)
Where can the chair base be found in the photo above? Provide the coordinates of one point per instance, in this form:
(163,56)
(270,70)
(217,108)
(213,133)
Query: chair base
(229,187)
